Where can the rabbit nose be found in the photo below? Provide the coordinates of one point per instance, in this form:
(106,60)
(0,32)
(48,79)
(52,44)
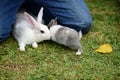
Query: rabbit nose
(48,36)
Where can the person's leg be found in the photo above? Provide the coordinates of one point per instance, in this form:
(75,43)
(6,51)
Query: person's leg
(8,10)
(71,13)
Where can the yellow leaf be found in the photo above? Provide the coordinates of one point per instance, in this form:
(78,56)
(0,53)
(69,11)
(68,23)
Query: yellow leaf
(105,48)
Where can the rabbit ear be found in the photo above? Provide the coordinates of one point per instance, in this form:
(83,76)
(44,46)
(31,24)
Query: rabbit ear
(52,22)
(40,15)
(30,19)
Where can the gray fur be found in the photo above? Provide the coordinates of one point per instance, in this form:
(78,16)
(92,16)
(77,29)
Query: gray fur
(61,36)
(68,37)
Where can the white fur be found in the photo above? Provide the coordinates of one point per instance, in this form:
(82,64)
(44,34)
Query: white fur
(28,35)
(28,31)
(78,53)
(34,45)
(53,30)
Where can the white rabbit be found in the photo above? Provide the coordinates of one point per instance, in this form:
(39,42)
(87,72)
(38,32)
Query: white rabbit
(28,30)
(66,36)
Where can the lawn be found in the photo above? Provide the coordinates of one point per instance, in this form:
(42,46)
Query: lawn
(51,61)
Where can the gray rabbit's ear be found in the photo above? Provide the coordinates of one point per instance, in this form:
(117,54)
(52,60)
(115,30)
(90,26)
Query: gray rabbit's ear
(52,22)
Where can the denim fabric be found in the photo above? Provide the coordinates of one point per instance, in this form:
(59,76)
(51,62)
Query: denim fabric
(8,10)
(70,13)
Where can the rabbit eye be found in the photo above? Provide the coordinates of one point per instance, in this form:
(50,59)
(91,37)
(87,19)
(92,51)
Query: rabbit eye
(41,31)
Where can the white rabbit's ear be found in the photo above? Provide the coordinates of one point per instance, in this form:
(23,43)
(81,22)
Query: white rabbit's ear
(40,15)
(30,19)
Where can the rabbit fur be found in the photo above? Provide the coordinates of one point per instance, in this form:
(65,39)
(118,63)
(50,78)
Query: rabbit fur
(27,30)
(65,36)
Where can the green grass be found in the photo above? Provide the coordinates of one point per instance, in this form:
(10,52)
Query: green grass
(52,61)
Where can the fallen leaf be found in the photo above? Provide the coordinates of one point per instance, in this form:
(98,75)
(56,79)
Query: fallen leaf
(105,48)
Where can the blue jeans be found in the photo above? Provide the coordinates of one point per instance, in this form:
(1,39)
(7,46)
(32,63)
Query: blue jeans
(70,13)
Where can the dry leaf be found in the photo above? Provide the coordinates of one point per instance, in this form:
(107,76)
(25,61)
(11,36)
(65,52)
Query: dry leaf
(105,48)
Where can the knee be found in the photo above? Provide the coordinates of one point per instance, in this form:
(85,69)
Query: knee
(86,26)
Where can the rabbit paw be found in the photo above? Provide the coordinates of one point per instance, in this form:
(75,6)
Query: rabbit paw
(34,45)
(22,47)
(78,53)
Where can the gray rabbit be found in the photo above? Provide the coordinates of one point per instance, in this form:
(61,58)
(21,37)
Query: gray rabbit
(65,36)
